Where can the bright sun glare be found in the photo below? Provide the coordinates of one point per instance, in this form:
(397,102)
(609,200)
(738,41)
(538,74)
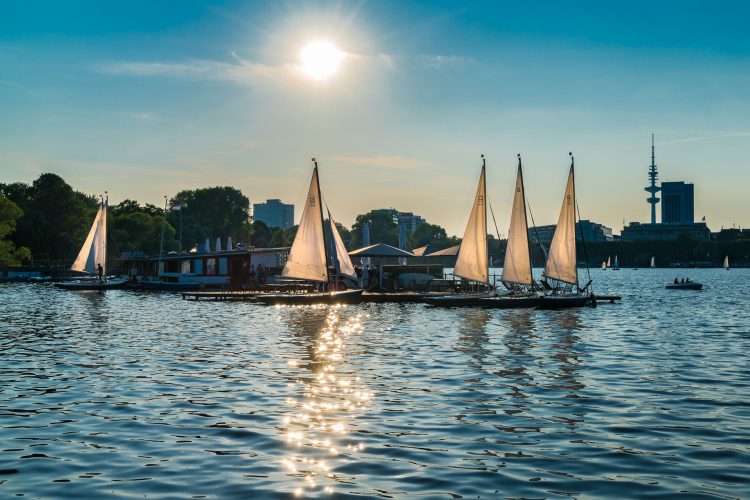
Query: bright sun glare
(320,59)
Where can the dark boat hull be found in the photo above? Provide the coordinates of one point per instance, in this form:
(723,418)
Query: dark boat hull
(684,286)
(467,300)
(510,302)
(110,284)
(313,298)
(566,301)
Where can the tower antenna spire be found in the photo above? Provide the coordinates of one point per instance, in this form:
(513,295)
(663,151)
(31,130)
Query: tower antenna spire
(652,188)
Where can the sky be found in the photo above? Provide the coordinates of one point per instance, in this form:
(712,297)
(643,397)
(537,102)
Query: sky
(144,99)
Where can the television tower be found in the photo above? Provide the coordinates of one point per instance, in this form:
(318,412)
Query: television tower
(653,188)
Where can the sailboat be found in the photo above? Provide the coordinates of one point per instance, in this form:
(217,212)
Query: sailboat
(517,276)
(310,257)
(604,265)
(653,262)
(726,262)
(561,261)
(92,258)
(609,261)
(472,263)
(616,267)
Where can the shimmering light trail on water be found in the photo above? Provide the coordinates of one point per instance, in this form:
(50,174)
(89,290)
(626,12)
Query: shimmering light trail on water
(135,394)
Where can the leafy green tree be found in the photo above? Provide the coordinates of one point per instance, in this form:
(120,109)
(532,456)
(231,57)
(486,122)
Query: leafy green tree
(212,212)
(278,238)
(382,229)
(136,228)
(9,215)
(260,235)
(428,234)
(55,218)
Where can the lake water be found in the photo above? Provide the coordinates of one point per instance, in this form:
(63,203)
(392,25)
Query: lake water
(144,395)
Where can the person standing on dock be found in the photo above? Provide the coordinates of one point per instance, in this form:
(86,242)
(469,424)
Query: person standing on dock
(100,270)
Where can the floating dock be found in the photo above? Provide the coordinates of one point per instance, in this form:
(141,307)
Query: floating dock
(601,299)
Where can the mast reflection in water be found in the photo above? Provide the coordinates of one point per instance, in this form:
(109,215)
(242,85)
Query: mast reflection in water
(330,396)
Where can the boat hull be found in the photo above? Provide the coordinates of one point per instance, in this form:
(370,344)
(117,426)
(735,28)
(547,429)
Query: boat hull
(313,298)
(566,301)
(108,284)
(466,300)
(684,286)
(510,302)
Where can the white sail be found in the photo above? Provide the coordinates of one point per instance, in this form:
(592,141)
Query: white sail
(343,263)
(561,261)
(604,265)
(726,262)
(609,261)
(94,249)
(653,262)
(307,258)
(617,264)
(517,263)
(472,262)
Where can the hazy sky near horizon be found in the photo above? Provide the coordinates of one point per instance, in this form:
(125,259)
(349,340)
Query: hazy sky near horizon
(145,99)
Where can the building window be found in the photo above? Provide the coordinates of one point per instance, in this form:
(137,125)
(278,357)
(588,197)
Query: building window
(198,266)
(185,267)
(211,266)
(223,268)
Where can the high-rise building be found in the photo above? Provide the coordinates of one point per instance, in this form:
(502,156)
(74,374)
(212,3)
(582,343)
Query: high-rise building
(586,229)
(274,213)
(677,206)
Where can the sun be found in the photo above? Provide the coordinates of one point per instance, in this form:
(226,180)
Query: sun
(320,59)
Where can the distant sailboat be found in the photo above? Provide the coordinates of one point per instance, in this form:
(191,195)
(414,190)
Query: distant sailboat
(653,262)
(604,265)
(309,256)
(561,262)
(617,265)
(609,261)
(726,262)
(472,262)
(517,276)
(93,256)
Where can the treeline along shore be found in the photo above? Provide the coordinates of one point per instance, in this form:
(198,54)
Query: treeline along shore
(45,222)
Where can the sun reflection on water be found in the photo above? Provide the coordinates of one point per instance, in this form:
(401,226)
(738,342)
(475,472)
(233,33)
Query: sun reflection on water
(317,428)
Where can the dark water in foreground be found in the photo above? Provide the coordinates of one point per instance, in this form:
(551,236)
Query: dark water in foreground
(143,395)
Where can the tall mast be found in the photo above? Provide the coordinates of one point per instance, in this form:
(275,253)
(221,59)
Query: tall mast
(322,219)
(575,210)
(525,219)
(484,206)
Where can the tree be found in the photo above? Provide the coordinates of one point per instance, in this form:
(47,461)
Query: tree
(220,211)
(9,215)
(55,218)
(261,234)
(428,234)
(382,228)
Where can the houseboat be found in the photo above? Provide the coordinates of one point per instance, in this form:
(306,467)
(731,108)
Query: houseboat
(229,269)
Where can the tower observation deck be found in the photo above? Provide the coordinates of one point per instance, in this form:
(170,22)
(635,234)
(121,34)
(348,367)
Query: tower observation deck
(652,189)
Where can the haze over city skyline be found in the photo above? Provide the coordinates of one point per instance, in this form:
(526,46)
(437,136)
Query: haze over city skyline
(150,99)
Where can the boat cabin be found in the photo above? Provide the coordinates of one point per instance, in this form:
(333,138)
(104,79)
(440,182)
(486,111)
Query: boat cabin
(229,268)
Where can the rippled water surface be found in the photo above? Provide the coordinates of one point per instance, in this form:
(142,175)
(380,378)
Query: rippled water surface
(145,395)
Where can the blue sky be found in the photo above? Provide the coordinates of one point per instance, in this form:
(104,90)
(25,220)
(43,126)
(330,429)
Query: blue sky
(147,98)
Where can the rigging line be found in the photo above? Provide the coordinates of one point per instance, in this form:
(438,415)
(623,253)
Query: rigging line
(583,243)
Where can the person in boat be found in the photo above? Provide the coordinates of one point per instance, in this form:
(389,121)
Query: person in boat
(683,280)
(100,271)
(676,281)
(687,280)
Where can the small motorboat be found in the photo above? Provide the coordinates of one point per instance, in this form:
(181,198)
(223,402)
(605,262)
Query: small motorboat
(311,298)
(690,285)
